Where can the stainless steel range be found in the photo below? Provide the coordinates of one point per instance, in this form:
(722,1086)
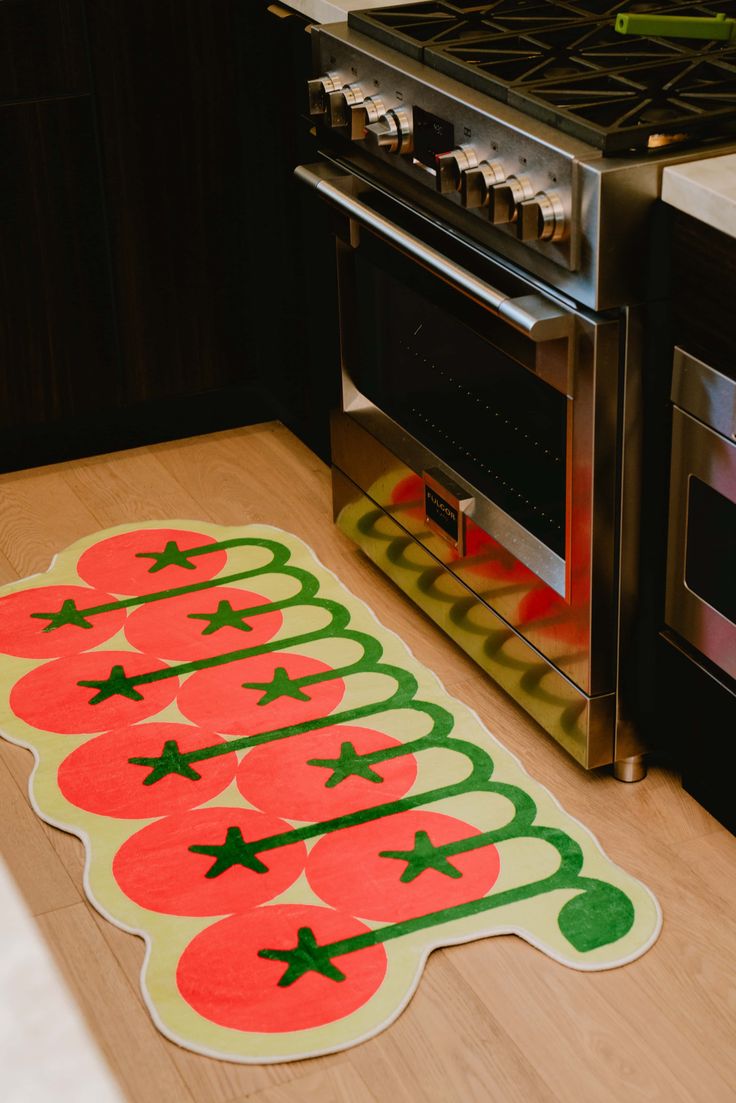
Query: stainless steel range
(493,170)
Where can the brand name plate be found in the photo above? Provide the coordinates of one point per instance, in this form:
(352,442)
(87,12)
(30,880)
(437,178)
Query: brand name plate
(444,508)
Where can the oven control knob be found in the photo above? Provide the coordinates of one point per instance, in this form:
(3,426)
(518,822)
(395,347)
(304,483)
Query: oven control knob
(476,183)
(451,165)
(392,132)
(319,89)
(343,110)
(362,114)
(541,218)
(505,198)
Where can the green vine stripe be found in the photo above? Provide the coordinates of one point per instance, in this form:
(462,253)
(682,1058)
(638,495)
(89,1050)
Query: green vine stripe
(593,912)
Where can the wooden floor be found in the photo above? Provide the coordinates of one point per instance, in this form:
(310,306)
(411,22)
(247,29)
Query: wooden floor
(494,1020)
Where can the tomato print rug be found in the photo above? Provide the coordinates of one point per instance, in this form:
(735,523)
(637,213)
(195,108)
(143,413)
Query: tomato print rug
(274,793)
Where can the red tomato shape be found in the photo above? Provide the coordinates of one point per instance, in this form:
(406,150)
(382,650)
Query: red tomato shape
(217,699)
(277,776)
(169,628)
(494,561)
(545,611)
(346,870)
(156,868)
(408,495)
(222,977)
(22,633)
(50,698)
(113,564)
(99,778)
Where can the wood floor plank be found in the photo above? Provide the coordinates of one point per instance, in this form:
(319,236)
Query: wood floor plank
(38,870)
(575,1036)
(134,1049)
(491,1021)
(339,1084)
(39,515)
(8,572)
(69,848)
(126,487)
(714,855)
(452,1045)
(284,487)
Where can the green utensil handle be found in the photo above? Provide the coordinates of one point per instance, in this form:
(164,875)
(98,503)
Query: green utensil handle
(676,26)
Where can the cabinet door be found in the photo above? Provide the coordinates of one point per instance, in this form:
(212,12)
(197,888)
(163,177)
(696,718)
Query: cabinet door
(42,52)
(703,273)
(57,355)
(295,254)
(174,158)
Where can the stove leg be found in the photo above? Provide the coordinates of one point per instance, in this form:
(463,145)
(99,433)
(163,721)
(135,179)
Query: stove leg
(630,769)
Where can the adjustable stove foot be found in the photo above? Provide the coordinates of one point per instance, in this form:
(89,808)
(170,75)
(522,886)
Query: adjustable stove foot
(630,769)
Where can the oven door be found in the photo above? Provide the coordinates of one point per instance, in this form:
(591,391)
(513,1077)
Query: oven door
(701,564)
(480,412)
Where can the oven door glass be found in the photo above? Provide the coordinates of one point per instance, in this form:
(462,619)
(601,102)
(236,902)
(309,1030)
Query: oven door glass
(701,562)
(462,384)
(710,558)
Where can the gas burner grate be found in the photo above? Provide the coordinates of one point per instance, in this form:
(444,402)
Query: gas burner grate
(631,108)
(562,62)
(411,28)
(499,64)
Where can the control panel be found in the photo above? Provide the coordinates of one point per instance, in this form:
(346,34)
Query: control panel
(479,155)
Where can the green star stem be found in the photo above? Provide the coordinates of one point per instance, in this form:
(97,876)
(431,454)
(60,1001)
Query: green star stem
(281,685)
(171,556)
(68,614)
(306,957)
(425,855)
(170,761)
(349,764)
(235,851)
(224,617)
(117,684)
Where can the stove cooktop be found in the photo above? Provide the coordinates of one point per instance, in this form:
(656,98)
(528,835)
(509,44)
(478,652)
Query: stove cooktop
(562,62)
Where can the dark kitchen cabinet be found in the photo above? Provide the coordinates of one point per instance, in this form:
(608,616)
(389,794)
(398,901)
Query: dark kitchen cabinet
(696,688)
(294,293)
(58,358)
(161,272)
(174,163)
(42,50)
(128,252)
(58,362)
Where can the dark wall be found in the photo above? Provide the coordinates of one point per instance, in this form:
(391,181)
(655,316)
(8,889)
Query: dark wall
(155,247)
(296,259)
(173,164)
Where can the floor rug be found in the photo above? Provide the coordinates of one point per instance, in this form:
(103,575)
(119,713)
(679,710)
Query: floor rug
(274,793)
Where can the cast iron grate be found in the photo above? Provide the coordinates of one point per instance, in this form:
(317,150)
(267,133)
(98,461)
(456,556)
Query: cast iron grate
(411,28)
(498,64)
(560,62)
(618,111)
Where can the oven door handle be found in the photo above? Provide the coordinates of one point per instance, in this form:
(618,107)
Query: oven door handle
(533,315)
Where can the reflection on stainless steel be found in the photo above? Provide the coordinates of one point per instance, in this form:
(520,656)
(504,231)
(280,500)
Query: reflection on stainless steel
(581,724)
(704,392)
(699,453)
